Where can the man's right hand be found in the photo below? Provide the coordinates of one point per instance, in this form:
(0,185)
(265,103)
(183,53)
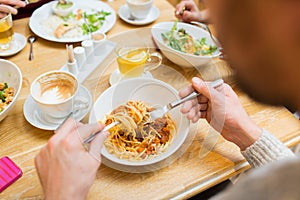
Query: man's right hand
(188,11)
(223,110)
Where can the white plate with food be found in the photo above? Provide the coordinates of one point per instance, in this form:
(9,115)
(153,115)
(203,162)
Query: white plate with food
(72,28)
(184,44)
(148,145)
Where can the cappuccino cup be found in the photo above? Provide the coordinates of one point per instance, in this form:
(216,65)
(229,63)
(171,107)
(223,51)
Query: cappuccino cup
(55,92)
(139,8)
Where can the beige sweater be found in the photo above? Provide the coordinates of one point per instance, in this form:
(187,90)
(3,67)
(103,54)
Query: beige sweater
(278,180)
(265,150)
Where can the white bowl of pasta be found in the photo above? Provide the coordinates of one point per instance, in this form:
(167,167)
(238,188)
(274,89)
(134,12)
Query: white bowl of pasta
(138,141)
(10,86)
(184,44)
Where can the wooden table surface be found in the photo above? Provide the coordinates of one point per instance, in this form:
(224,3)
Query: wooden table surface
(201,166)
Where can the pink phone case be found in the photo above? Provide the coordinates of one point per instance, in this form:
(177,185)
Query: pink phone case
(9,172)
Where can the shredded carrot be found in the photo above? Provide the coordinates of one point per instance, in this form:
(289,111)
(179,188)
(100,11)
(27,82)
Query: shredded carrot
(79,14)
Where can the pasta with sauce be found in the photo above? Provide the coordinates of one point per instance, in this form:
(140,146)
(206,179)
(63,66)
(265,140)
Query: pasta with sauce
(137,137)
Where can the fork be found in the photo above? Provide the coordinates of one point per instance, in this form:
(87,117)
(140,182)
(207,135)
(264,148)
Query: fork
(26,2)
(106,128)
(160,112)
(206,28)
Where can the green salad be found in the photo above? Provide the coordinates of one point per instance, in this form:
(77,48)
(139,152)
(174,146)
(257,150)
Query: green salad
(180,40)
(64,5)
(94,21)
(91,21)
(6,95)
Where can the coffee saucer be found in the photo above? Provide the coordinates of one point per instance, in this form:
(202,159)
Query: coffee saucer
(17,44)
(40,120)
(116,77)
(124,14)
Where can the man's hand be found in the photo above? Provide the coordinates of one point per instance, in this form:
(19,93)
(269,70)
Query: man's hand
(188,11)
(223,110)
(65,167)
(9,6)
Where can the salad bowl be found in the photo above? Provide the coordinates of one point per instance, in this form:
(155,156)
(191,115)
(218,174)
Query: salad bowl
(12,76)
(161,34)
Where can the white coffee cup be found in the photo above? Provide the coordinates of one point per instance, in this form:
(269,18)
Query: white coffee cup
(55,93)
(139,8)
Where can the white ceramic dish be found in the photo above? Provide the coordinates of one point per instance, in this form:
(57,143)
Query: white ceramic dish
(10,74)
(42,121)
(152,92)
(62,11)
(124,14)
(104,50)
(42,13)
(17,44)
(180,58)
(116,77)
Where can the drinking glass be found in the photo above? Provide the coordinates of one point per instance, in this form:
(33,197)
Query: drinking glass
(6,30)
(134,61)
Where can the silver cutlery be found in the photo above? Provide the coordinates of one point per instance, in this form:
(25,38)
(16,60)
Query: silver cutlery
(66,118)
(31,40)
(160,112)
(26,2)
(106,128)
(205,27)
(91,137)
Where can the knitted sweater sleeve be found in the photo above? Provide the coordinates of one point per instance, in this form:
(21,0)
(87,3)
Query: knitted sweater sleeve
(265,150)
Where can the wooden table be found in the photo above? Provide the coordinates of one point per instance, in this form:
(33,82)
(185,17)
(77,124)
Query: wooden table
(196,170)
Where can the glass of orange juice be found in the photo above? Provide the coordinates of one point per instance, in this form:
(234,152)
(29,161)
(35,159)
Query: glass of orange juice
(134,61)
(6,30)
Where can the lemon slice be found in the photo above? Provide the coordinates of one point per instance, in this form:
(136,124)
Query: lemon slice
(136,55)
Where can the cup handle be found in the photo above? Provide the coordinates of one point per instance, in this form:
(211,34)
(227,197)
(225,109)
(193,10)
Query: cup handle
(153,65)
(80,104)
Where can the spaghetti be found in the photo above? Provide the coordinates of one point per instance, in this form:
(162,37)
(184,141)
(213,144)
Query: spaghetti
(137,137)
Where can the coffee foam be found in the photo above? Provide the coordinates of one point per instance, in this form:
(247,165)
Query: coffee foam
(54,95)
(56,91)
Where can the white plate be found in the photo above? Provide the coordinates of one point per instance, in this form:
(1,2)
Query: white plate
(152,92)
(124,14)
(116,77)
(37,119)
(42,13)
(17,44)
